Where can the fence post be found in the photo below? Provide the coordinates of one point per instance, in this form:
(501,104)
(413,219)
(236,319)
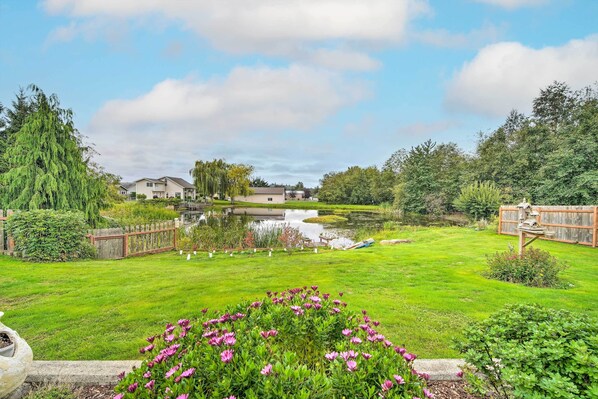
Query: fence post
(595,233)
(500,220)
(174,231)
(125,244)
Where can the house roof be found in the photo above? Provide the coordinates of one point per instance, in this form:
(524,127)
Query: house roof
(150,180)
(127,185)
(181,182)
(268,190)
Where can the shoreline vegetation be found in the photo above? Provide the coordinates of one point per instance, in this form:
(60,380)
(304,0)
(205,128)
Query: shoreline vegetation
(423,293)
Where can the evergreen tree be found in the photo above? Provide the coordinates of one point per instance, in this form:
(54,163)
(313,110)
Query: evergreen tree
(49,168)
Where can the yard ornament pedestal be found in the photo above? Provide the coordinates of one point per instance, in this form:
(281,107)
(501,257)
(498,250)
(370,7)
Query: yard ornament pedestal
(15,361)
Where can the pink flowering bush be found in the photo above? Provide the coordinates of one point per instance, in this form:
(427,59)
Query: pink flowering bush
(298,343)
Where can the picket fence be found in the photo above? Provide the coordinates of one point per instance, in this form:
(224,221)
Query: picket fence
(118,243)
(570,224)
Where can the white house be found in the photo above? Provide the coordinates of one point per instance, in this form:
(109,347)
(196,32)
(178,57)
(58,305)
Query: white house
(165,187)
(264,195)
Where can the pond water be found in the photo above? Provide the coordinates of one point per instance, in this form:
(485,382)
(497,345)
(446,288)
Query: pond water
(342,234)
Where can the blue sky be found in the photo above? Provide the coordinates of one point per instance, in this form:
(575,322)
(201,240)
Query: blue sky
(297,88)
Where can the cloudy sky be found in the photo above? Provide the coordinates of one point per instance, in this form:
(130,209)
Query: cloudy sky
(296,88)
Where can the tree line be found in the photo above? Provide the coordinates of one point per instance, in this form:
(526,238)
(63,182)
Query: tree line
(549,157)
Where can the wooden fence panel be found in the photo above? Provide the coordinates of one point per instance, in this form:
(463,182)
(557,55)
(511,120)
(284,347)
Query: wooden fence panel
(134,240)
(108,243)
(571,224)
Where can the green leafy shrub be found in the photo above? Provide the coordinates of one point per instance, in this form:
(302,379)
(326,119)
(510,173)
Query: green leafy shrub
(479,200)
(536,268)
(528,351)
(138,213)
(50,236)
(298,343)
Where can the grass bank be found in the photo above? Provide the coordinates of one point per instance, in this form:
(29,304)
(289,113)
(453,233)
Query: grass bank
(423,293)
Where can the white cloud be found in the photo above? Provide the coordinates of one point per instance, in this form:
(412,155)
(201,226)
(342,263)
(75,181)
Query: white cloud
(513,4)
(272,27)
(475,38)
(238,116)
(509,75)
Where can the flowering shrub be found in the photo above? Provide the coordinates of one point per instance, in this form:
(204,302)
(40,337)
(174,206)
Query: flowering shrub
(536,268)
(527,351)
(298,343)
(290,238)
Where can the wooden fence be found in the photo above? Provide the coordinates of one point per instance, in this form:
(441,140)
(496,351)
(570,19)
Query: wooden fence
(120,243)
(571,224)
(6,243)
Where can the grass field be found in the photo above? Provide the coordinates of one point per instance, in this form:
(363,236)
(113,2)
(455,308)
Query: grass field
(423,292)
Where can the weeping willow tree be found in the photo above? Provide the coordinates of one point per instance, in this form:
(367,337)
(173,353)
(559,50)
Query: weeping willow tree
(211,177)
(48,165)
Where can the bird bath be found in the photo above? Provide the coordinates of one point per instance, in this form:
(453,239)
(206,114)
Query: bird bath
(15,360)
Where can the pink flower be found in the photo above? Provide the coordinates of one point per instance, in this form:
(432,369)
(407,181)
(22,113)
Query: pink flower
(150,339)
(121,375)
(340,294)
(315,299)
(183,396)
(366,355)
(227,355)
(318,306)
(256,304)
(133,387)
(336,302)
(119,396)
(267,370)
(428,393)
(173,370)
(169,328)
(351,365)
(150,385)
(314,287)
(409,357)
(147,374)
(356,340)
(307,305)
(331,355)
(326,296)
(231,397)
(273,333)
(386,385)
(335,310)
(188,373)
(376,323)
(147,348)
(169,338)
(399,379)
(400,351)
(387,343)
(229,339)
(183,322)
(346,332)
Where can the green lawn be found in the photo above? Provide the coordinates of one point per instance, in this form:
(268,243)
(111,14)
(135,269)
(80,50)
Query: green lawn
(423,292)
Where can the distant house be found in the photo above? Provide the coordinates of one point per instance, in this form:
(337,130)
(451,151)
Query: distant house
(264,195)
(165,187)
(294,194)
(126,189)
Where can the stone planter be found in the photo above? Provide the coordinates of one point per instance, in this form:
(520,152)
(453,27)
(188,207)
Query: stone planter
(15,361)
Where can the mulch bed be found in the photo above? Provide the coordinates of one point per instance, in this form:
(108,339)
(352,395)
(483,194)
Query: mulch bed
(440,389)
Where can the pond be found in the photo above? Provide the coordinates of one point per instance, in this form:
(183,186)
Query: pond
(342,234)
